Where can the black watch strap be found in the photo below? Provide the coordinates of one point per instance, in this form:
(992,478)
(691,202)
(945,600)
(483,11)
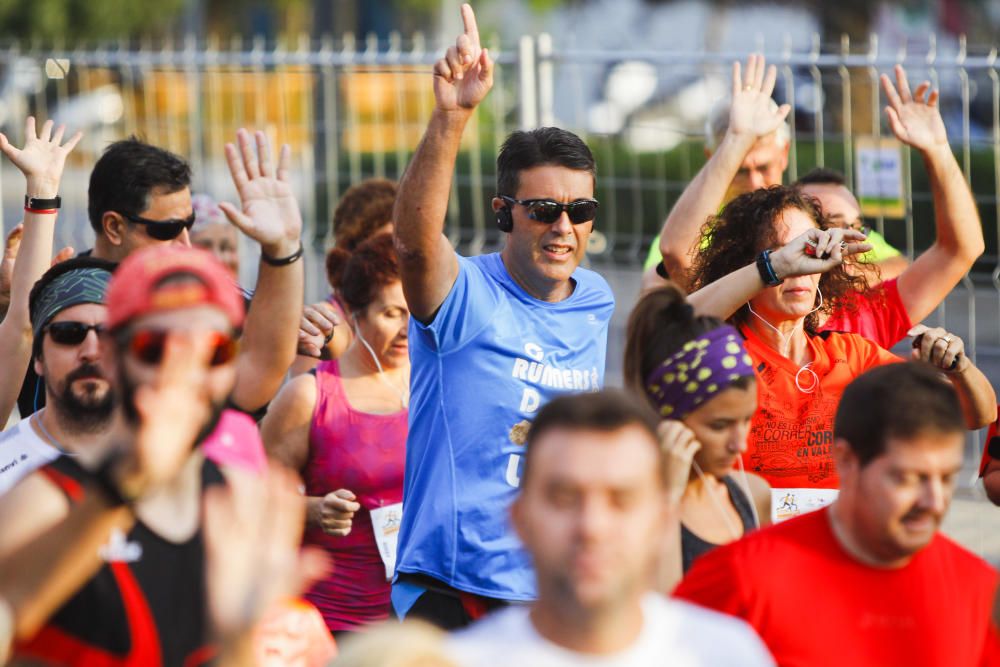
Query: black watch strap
(39,204)
(766,271)
(282,261)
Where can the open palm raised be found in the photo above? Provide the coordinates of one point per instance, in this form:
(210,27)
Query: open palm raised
(914,118)
(270,214)
(44,154)
(752,111)
(465,74)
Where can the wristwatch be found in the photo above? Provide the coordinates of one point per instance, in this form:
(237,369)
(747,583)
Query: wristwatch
(39,204)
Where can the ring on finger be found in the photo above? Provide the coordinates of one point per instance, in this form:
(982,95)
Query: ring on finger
(947,340)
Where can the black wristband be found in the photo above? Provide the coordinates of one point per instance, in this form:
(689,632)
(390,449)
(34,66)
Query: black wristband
(766,271)
(39,204)
(281,261)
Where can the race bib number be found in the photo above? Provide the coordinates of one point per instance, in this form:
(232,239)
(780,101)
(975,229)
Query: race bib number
(385,524)
(787,503)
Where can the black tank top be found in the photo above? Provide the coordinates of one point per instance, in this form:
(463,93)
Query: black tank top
(146,604)
(693,546)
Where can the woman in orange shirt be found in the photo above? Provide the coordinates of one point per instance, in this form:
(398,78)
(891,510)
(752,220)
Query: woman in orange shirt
(774,268)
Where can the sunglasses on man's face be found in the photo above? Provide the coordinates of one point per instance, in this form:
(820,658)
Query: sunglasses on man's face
(71,333)
(548,210)
(162,230)
(148,345)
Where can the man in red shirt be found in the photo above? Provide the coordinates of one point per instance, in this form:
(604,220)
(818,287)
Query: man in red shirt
(868,580)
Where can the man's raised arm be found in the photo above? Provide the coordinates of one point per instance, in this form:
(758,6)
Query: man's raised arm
(751,117)
(462,78)
(268,214)
(916,121)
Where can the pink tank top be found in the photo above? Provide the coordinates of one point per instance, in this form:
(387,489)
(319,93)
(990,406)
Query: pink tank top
(363,453)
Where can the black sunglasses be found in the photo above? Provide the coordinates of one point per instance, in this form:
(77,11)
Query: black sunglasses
(161,230)
(72,333)
(548,211)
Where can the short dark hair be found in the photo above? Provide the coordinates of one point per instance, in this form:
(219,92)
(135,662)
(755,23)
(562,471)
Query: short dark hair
(127,173)
(72,264)
(899,400)
(535,148)
(820,176)
(607,411)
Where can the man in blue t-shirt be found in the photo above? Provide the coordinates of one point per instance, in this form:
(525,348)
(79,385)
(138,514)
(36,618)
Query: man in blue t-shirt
(492,339)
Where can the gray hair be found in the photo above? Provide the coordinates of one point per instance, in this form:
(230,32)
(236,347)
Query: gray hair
(717,124)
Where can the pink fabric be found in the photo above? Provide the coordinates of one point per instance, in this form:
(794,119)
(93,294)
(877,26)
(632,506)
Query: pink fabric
(881,316)
(236,442)
(365,454)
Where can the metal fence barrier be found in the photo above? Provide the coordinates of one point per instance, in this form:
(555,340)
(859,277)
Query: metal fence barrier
(353,109)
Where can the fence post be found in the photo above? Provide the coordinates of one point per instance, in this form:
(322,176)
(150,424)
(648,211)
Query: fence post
(527,82)
(546,86)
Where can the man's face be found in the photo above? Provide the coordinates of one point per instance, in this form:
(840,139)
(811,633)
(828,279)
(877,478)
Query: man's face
(134,372)
(900,498)
(763,167)
(590,512)
(162,206)
(839,205)
(795,297)
(541,255)
(75,380)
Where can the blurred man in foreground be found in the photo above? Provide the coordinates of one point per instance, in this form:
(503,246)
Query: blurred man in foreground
(592,511)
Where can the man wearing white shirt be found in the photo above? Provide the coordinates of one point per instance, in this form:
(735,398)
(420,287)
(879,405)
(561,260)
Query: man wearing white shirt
(592,510)
(67,315)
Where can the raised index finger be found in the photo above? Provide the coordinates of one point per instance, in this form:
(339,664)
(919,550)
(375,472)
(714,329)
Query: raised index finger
(471,29)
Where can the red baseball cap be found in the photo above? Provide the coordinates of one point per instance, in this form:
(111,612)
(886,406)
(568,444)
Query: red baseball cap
(137,289)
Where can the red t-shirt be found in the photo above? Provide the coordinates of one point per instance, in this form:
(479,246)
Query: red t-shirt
(791,434)
(880,316)
(814,605)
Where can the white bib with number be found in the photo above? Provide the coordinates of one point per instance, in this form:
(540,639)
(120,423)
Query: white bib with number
(786,503)
(385,524)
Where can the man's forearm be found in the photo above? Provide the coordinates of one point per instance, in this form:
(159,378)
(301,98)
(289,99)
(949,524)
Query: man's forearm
(976,394)
(422,199)
(270,336)
(956,217)
(701,198)
(33,258)
(427,263)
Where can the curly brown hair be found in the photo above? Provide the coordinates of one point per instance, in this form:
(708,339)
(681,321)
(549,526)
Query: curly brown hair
(747,226)
(358,276)
(364,208)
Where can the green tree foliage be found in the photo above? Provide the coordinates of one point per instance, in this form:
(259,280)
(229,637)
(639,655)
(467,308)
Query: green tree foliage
(71,21)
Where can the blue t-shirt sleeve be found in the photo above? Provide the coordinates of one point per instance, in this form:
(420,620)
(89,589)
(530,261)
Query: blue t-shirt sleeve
(470,304)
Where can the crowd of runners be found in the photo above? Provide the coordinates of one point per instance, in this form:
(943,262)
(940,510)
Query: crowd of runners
(426,469)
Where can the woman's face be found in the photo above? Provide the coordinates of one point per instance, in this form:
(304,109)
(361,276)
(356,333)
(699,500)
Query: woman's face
(221,240)
(384,326)
(721,426)
(796,297)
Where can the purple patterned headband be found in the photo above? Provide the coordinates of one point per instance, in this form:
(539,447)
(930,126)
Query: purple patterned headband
(702,368)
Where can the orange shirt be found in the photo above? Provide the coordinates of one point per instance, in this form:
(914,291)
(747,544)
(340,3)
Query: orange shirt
(791,435)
